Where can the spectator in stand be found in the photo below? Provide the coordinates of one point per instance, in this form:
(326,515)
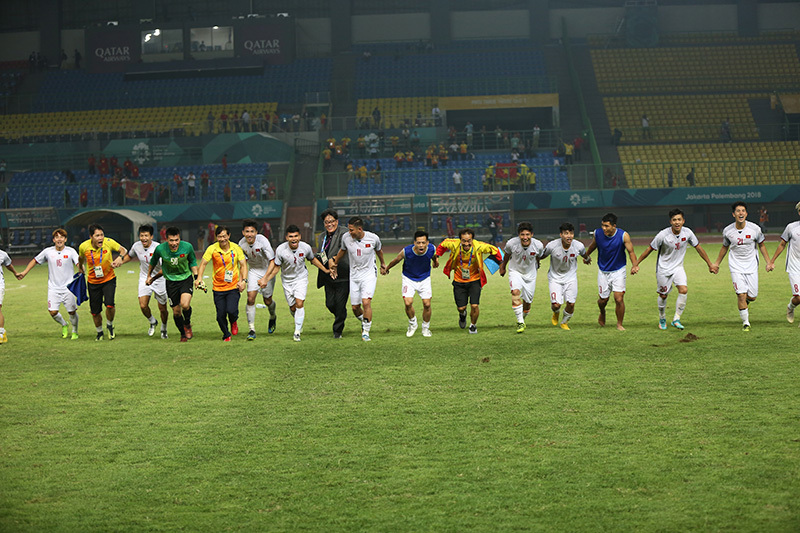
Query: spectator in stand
(690,178)
(70,176)
(498,136)
(225,164)
(327,155)
(126,166)
(263,190)
(376,117)
(399,157)
(210,120)
(114,162)
(84,197)
(163,234)
(443,157)
(102,166)
(536,133)
(191,181)
(458,181)
(223,120)
(375,173)
(245,121)
(92,161)
(569,150)
(468,129)
(409,158)
(436,113)
(116,191)
(103,189)
(646,134)
(226,192)
(725,131)
(415,140)
(670,177)
(515,142)
(252,194)
(77,55)
(134,172)
(464,150)
(204,183)
(578,144)
(236,119)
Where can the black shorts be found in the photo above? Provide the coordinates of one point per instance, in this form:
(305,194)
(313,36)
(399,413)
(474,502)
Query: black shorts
(101,293)
(176,288)
(467,293)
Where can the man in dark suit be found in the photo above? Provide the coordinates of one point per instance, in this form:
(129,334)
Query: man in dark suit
(337,291)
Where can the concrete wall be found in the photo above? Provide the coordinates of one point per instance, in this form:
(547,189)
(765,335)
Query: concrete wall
(402,27)
(490,24)
(313,36)
(19,45)
(779,16)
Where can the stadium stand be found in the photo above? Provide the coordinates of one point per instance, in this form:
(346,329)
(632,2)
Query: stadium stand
(715,164)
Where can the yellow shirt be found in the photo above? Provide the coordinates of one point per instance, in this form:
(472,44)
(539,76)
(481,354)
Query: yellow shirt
(468,261)
(223,262)
(99,257)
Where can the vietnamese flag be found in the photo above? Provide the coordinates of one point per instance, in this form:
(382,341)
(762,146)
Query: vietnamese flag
(137,191)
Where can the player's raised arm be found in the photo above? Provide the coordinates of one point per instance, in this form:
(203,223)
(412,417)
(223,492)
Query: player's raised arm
(396,260)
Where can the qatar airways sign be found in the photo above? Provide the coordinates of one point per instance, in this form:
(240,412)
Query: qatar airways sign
(271,42)
(113,49)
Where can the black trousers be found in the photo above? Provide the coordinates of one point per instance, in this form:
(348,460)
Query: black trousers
(336,301)
(227,304)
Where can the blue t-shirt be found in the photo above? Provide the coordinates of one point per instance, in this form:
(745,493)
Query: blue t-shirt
(610,250)
(418,267)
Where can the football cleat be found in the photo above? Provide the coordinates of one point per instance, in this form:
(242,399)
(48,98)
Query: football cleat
(473,328)
(662,323)
(226,339)
(411,329)
(164,334)
(271,327)
(234,328)
(3,338)
(565,326)
(152,329)
(677,324)
(188,329)
(746,327)
(426,332)
(790,315)
(554,318)
(99,336)
(251,336)
(184,339)
(74,336)
(365,337)
(296,337)
(520,327)
(462,320)
(64,332)
(111,334)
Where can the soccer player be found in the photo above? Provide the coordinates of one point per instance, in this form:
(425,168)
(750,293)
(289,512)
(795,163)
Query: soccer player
(523,253)
(230,279)
(742,237)
(260,257)
(290,260)
(466,261)
(671,244)
(143,251)
(563,273)
(791,236)
(361,248)
(611,243)
(176,261)
(5,261)
(61,260)
(95,253)
(417,259)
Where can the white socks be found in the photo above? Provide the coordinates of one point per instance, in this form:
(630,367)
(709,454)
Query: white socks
(745,314)
(366,325)
(60,319)
(412,321)
(518,312)
(250,312)
(152,319)
(299,316)
(791,305)
(566,318)
(73,319)
(662,307)
(680,305)
(426,325)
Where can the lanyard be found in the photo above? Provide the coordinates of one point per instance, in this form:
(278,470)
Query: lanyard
(461,257)
(94,263)
(222,256)
(325,242)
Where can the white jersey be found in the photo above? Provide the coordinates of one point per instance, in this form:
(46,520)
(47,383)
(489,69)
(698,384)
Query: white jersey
(59,264)
(742,244)
(5,260)
(792,236)
(524,258)
(293,262)
(361,253)
(258,254)
(563,263)
(671,249)
(144,255)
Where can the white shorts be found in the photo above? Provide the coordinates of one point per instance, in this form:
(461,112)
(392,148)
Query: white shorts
(362,289)
(664,283)
(295,290)
(252,283)
(56,297)
(158,287)
(423,288)
(564,291)
(745,283)
(794,280)
(526,287)
(608,282)
(2,293)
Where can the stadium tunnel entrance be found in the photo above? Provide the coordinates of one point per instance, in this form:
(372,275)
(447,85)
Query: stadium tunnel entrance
(121,225)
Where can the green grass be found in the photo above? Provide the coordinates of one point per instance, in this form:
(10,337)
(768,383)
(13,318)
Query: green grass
(590,429)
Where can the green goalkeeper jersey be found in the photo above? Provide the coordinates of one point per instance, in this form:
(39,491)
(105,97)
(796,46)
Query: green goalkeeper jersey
(177,265)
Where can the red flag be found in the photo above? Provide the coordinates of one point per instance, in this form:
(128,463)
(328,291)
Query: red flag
(137,191)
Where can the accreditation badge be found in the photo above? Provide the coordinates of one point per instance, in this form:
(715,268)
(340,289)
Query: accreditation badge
(228,276)
(98,271)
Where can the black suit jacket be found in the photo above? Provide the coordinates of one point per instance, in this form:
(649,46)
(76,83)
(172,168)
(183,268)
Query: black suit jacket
(343,268)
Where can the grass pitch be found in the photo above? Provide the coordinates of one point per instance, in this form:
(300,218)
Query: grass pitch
(582,430)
